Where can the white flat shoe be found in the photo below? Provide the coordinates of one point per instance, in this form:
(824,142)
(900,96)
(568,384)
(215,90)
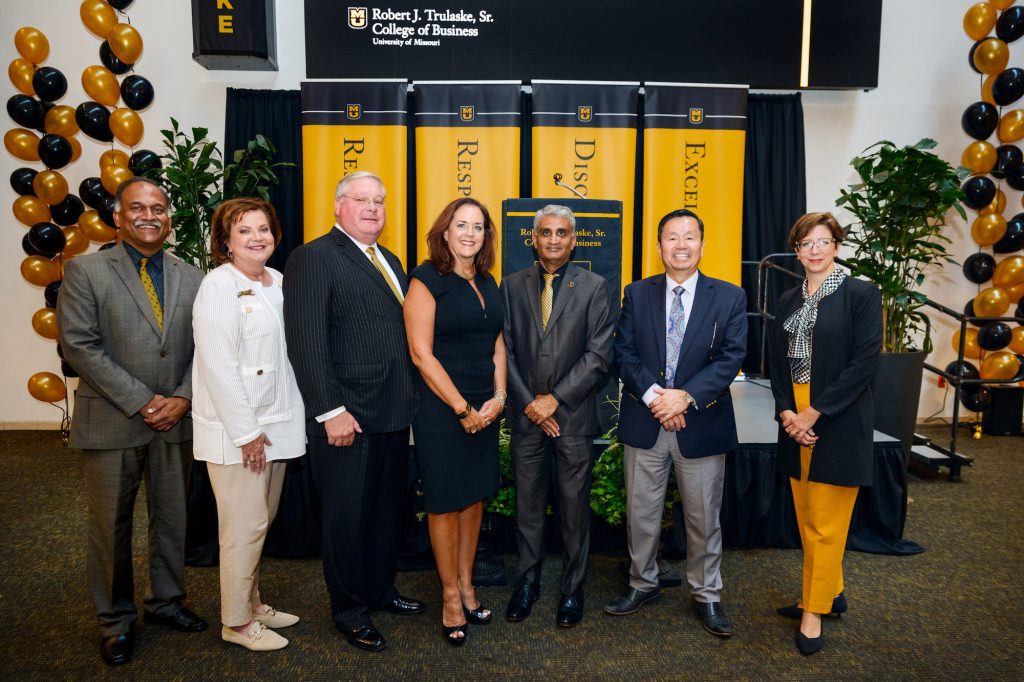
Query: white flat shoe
(276,619)
(259,638)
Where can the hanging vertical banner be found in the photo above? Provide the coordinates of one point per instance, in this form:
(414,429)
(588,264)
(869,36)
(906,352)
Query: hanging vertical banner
(467,145)
(586,133)
(350,126)
(694,138)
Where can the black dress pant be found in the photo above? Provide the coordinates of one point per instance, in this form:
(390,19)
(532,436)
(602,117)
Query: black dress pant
(362,494)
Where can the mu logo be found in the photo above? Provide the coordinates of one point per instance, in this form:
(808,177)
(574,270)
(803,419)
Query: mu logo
(467,113)
(696,115)
(357,17)
(354,111)
(585,114)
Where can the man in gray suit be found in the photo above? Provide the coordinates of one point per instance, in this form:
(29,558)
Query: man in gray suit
(558,336)
(125,317)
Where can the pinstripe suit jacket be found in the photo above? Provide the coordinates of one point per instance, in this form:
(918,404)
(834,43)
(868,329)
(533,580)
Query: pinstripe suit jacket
(109,334)
(346,335)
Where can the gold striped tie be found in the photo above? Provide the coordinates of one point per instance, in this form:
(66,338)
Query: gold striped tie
(546,298)
(384,273)
(154,300)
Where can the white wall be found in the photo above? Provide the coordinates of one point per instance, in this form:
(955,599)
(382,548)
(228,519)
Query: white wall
(924,85)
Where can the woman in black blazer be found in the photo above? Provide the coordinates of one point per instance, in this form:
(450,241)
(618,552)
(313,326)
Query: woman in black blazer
(823,354)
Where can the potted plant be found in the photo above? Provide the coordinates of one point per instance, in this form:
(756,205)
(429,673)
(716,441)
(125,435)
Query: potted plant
(900,206)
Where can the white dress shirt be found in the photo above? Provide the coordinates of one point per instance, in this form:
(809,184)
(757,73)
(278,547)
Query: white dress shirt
(689,288)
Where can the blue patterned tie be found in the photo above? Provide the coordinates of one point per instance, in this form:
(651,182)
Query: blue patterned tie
(674,336)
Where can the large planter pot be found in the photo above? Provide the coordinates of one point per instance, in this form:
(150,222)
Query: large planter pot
(897,393)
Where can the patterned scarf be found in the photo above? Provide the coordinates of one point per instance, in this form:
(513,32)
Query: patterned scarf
(800,326)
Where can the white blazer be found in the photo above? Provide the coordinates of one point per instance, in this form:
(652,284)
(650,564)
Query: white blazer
(241,379)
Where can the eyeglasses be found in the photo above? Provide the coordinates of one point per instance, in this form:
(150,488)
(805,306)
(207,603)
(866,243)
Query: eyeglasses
(366,202)
(808,244)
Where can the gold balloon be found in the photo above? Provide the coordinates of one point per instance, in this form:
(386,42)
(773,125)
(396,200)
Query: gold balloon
(101,84)
(986,90)
(40,271)
(44,321)
(22,144)
(76,242)
(113,157)
(1014,292)
(93,227)
(1017,341)
(1011,126)
(979,20)
(50,186)
(1000,365)
(1009,272)
(20,72)
(31,210)
(47,386)
(998,204)
(991,302)
(971,348)
(112,176)
(98,17)
(127,126)
(979,156)
(126,43)
(1001,4)
(76,148)
(987,229)
(32,44)
(60,120)
(991,57)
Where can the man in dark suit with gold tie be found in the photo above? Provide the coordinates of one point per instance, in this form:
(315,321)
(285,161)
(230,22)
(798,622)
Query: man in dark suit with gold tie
(343,296)
(558,338)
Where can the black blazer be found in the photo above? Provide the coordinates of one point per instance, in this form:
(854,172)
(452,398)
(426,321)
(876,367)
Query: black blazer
(845,344)
(346,335)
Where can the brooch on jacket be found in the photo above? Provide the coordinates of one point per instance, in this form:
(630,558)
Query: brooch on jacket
(247,292)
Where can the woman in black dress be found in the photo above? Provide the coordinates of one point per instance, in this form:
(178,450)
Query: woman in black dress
(453,319)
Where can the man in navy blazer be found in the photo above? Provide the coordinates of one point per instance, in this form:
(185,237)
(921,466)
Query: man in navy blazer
(680,342)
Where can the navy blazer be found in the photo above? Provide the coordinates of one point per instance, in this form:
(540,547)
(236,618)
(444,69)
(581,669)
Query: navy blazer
(714,345)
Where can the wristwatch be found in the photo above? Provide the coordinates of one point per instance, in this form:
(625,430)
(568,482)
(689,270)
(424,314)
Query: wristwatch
(690,399)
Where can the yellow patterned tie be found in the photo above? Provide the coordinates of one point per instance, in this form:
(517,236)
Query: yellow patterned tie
(154,300)
(384,273)
(546,298)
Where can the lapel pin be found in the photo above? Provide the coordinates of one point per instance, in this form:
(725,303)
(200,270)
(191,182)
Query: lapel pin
(571,284)
(247,292)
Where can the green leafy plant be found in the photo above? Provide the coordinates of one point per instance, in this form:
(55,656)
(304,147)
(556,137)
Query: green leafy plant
(503,502)
(900,205)
(197,180)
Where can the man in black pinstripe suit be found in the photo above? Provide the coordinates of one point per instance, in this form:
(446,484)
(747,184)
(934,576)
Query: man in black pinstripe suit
(346,340)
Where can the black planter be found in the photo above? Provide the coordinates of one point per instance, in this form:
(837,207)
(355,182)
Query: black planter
(897,393)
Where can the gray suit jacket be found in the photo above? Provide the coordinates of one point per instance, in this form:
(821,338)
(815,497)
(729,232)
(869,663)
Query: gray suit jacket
(571,358)
(109,335)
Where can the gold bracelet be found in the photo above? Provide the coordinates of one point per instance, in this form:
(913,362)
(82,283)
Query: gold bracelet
(501,397)
(465,412)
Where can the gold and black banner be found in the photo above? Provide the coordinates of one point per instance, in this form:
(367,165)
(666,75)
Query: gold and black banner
(694,139)
(586,133)
(228,36)
(467,145)
(350,126)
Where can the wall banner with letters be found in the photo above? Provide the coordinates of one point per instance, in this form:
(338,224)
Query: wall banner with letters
(467,145)
(693,158)
(586,133)
(349,126)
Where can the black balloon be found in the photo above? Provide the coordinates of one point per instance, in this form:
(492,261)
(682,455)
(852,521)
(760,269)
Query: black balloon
(1008,86)
(142,161)
(92,192)
(964,370)
(1013,240)
(94,120)
(47,239)
(980,192)
(980,120)
(1016,179)
(50,293)
(60,351)
(67,370)
(108,245)
(21,181)
(120,5)
(969,311)
(55,151)
(106,210)
(1010,25)
(976,401)
(110,60)
(68,211)
(1008,160)
(1019,312)
(995,336)
(978,267)
(49,83)
(26,111)
(970,56)
(137,92)
(26,246)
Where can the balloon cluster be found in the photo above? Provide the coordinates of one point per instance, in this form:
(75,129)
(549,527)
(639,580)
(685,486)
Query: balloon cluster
(998,346)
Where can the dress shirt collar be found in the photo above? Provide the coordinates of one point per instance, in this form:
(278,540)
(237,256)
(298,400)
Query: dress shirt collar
(361,246)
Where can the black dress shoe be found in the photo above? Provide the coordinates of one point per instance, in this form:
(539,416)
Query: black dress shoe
(631,600)
(365,637)
(521,603)
(839,607)
(712,615)
(182,621)
(809,645)
(403,606)
(570,609)
(117,649)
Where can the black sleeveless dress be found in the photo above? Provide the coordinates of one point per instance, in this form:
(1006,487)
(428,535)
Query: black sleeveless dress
(459,468)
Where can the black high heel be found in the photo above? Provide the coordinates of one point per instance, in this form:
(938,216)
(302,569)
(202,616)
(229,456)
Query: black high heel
(477,616)
(450,632)
(810,645)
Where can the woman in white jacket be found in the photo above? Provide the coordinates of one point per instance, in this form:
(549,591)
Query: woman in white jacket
(247,412)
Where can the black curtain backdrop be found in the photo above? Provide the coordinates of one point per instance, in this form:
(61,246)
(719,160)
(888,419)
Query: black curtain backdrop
(774,196)
(276,114)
